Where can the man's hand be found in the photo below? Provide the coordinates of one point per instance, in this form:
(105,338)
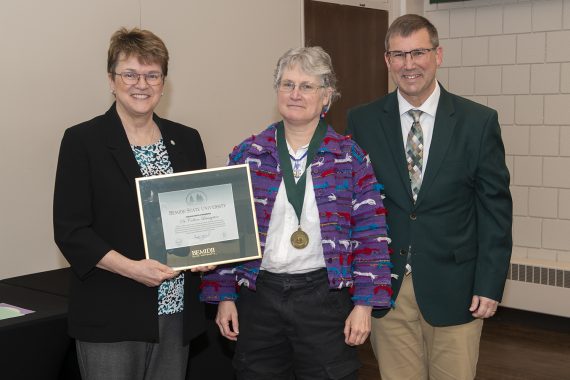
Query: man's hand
(483,307)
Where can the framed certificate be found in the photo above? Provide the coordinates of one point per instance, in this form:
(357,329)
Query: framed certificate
(202,217)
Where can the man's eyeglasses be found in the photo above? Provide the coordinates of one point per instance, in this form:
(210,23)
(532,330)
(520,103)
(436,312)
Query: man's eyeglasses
(304,88)
(130,78)
(398,56)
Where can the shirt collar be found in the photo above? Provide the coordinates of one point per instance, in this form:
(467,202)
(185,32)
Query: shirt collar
(429,106)
(299,152)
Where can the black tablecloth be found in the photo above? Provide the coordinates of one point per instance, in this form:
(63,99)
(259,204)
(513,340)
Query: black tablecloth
(34,346)
(52,281)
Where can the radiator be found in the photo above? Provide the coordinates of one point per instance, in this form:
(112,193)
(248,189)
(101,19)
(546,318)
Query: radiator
(538,286)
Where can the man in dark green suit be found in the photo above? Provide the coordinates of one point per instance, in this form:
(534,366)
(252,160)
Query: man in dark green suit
(449,211)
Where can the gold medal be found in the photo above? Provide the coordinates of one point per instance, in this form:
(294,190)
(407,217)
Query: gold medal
(299,239)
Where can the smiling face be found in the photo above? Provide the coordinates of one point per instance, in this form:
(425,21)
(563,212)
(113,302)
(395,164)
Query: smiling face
(415,78)
(300,109)
(140,99)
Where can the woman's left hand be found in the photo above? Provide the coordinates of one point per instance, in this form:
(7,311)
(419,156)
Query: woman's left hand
(357,326)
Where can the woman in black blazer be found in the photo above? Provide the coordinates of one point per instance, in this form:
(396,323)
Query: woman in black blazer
(132,318)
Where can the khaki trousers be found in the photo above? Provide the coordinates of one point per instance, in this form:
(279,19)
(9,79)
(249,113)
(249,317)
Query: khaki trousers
(407,347)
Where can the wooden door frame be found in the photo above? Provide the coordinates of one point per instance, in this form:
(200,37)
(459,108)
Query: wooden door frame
(395,9)
(354,37)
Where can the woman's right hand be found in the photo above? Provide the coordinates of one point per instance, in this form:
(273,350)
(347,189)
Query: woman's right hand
(147,272)
(227,320)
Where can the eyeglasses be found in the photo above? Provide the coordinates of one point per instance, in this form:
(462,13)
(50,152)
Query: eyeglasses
(130,78)
(398,56)
(304,88)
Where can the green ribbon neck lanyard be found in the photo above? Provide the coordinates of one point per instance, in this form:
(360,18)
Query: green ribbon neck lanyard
(296,191)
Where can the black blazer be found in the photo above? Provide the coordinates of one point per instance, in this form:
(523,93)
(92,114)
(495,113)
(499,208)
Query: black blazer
(95,210)
(460,226)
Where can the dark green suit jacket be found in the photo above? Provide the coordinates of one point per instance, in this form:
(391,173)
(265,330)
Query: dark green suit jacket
(460,226)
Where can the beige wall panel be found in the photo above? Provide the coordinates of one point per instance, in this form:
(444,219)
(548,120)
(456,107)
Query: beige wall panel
(53,58)
(223,54)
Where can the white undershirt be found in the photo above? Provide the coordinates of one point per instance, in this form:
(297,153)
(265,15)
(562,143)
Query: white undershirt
(279,255)
(427,120)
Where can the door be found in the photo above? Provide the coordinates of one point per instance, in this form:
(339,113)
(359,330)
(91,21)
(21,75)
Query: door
(354,38)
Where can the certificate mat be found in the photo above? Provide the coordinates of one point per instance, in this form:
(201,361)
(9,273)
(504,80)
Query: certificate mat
(201,217)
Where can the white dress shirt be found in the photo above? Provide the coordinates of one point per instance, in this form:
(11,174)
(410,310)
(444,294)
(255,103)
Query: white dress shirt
(279,255)
(427,120)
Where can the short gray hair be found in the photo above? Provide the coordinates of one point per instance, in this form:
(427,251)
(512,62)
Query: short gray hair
(312,60)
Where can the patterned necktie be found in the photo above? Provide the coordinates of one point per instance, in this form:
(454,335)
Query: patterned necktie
(415,152)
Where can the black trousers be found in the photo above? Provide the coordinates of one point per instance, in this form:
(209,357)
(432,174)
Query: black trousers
(292,328)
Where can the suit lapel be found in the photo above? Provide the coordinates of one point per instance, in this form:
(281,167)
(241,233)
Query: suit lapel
(390,126)
(442,132)
(118,145)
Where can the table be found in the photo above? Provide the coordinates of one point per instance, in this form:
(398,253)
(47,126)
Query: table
(52,281)
(34,346)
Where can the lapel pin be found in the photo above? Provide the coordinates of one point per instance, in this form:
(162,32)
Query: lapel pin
(172,142)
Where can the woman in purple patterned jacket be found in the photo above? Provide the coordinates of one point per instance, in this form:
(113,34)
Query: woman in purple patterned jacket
(305,306)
